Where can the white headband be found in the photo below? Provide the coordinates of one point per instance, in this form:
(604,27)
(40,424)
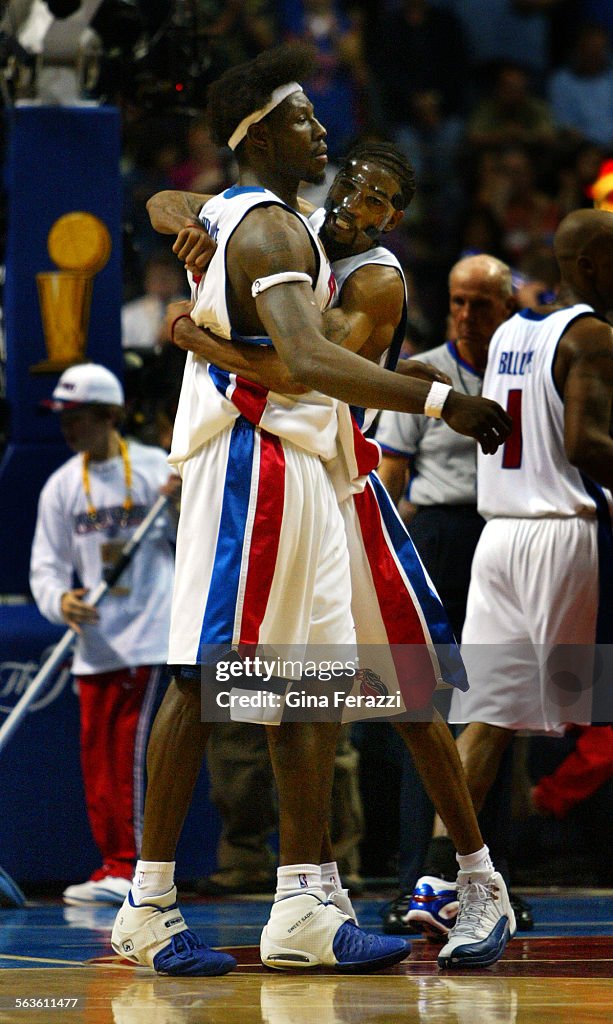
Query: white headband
(278,95)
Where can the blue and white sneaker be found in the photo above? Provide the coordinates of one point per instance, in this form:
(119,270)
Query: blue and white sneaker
(154,934)
(433,907)
(306,931)
(485,921)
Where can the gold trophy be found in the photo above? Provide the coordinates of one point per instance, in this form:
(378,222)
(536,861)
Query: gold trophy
(80,245)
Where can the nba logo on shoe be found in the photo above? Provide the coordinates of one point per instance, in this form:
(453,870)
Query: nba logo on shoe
(140,878)
(304,884)
(127,946)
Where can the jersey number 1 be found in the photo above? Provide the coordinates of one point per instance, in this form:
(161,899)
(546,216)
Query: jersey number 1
(511,453)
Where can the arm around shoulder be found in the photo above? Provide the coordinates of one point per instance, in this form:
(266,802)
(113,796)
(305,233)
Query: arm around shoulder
(170,210)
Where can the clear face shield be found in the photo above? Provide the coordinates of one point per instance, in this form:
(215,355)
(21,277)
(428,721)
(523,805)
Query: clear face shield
(360,192)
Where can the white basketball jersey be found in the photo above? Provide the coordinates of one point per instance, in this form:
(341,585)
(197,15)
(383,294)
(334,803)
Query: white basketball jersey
(212,399)
(221,215)
(530,475)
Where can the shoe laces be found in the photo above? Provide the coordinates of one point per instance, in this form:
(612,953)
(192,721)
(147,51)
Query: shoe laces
(473,899)
(183,944)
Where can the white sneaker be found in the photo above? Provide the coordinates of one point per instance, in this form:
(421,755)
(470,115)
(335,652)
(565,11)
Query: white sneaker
(485,921)
(154,934)
(109,890)
(307,931)
(341,899)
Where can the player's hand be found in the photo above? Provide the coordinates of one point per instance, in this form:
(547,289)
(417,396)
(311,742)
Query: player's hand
(422,371)
(194,247)
(182,307)
(480,418)
(76,611)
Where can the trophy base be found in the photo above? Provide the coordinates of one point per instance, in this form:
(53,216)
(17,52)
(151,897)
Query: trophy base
(56,365)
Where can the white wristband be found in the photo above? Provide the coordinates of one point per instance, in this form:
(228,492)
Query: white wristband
(437,396)
(262,283)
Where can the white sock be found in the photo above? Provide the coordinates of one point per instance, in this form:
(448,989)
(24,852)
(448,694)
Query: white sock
(295,879)
(478,861)
(152,878)
(330,878)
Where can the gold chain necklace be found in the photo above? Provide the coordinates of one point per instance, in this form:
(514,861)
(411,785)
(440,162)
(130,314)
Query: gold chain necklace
(92,511)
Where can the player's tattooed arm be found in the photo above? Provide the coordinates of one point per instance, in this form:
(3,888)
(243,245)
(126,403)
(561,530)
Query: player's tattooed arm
(366,321)
(169,210)
(176,213)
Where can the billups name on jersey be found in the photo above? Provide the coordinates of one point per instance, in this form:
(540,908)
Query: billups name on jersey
(213,230)
(515,364)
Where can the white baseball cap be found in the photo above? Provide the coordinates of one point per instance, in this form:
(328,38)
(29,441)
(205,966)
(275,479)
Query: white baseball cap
(85,384)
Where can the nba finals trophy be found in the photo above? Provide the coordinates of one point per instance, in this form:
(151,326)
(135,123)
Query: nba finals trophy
(79,244)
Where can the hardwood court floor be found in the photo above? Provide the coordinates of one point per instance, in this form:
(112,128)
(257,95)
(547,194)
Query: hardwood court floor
(562,973)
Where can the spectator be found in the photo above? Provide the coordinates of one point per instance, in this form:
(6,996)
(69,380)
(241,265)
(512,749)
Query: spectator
(143,326)
(87,511)
(576,171)
(339,79)
(416,50)
(581,92)
(515,31)
(151,149)
(526,214)
(433,141)
(207,167)
(511,114)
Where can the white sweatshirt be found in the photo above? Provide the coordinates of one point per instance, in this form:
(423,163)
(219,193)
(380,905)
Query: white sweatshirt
(68,551)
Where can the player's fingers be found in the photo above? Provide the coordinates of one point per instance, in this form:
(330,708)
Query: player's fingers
(490,442)
(203,259)
(182,251)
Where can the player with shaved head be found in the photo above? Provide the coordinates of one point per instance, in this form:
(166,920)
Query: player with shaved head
(541,592)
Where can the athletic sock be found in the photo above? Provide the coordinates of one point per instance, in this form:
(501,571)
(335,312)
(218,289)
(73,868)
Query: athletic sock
(152,878)
(440,859)
(296,879)
(330,878)
(478,861)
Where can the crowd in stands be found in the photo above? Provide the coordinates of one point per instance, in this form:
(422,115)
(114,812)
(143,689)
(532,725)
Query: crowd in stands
(506,118)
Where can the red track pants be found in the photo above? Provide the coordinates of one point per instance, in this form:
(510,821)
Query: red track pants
(116,714)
